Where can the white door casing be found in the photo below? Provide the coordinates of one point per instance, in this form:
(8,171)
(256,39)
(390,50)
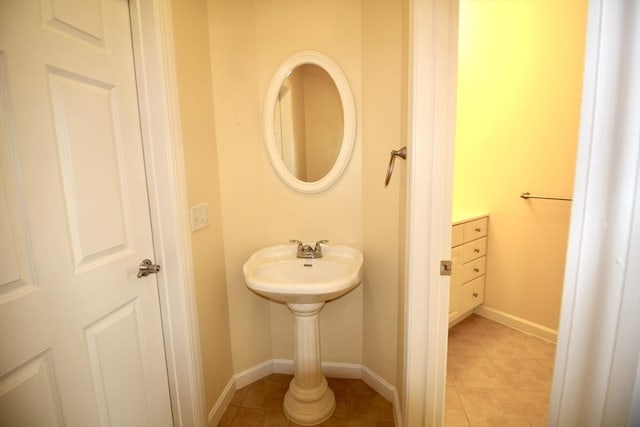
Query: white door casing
(80,336)
(431,121)
(597,369)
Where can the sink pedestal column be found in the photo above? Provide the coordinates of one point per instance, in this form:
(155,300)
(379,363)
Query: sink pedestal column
(309,400)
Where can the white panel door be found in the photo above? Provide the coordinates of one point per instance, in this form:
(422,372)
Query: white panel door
(80,335)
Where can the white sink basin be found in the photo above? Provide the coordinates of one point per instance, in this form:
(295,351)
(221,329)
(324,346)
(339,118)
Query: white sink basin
(276,273)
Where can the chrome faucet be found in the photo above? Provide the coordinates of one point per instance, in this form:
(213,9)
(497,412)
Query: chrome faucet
(308,251)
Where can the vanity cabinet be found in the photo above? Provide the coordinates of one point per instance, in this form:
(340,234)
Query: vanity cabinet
(468,261)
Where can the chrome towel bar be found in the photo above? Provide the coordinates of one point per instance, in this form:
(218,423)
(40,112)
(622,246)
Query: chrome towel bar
(528,195)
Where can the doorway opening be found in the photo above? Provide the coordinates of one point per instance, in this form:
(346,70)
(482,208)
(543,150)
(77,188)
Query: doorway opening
(520,67)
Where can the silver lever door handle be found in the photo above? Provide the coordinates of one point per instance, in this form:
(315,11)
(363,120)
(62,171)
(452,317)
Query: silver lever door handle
(402,153)
(147,267)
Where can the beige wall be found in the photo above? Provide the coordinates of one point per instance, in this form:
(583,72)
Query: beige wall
(249,40)
(382,131)
(190,28)
(519,85)
(241,170)
(251,208)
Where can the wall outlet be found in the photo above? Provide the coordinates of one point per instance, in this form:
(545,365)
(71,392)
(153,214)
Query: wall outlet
(199,216)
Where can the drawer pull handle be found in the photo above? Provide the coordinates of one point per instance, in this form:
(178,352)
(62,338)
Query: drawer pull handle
(477,270)
(478,229)
(476,250)
(475,294)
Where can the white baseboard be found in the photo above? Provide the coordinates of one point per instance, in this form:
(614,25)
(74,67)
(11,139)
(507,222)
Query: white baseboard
(329,369)
(385,389)
(216,413)
(518,323)
(254,374)
(342,370)
(285,366)
(377,383)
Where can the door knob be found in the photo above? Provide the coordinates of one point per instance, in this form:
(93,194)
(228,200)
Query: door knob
(147,267)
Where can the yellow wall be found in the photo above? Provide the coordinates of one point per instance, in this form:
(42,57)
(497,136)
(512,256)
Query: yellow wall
(519,87)
(196,108)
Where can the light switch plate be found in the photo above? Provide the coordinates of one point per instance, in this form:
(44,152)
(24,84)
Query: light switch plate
(199,216)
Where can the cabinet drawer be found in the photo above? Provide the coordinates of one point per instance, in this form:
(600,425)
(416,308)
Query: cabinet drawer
(474,249)
(457,235)
(456,267)
(475,229)
(473,269)
(472,295)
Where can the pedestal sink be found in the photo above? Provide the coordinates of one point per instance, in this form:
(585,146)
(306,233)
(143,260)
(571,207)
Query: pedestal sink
(305,285)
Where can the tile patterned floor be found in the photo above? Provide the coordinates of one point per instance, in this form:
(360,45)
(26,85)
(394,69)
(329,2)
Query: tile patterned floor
(496,376)
(260,404)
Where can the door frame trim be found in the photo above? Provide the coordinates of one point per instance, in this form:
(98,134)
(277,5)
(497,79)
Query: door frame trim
(154,59)
(433,46)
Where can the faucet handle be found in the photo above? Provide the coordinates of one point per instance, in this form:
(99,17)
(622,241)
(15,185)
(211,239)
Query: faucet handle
(320,242)
(297,242)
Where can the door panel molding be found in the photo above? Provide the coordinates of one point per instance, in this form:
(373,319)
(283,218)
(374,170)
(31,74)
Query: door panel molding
(17,277)
(31,383)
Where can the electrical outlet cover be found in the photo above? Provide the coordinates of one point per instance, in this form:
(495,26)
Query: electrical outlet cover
(199,216)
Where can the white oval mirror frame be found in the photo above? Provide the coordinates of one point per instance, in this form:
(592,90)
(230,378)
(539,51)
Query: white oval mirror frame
(349,128)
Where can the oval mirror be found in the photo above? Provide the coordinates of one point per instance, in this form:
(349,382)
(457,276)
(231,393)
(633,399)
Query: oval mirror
(309,122)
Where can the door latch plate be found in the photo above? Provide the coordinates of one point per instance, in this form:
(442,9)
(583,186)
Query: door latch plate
(445,267)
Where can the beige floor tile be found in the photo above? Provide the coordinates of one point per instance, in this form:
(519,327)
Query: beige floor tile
(455,418)
(340,390)
(260,404)
(250,417)
(227,417)
(465,346)
(331,422)
(523,374)
(449,377)
(538,348)
(368,423)
(267,393)
(490,408)
(471,371)
(366,404)
(238,396)
(454,415)
(512,391)
(451,399)
(547,365)
(477,324)
(504,345)
(534,404)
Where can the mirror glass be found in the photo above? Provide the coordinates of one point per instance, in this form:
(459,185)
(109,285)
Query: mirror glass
(308,122)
